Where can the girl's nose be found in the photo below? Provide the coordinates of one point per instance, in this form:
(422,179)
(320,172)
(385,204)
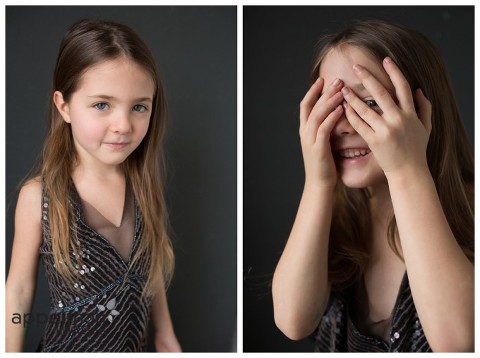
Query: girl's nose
(122,123)
(343,127)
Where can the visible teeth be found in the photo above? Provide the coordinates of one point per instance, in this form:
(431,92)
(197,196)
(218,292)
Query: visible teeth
(353,153)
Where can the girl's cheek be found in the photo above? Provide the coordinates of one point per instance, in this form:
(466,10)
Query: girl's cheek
(91,129)
(144,127)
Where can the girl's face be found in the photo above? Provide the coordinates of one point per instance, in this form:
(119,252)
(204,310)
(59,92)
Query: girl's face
(355,163)
(110,111)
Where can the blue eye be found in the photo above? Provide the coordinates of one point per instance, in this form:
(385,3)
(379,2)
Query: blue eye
(101,106)
(371,103)
(139,108)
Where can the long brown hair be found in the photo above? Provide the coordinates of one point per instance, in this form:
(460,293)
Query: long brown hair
(87,43)
(449,152)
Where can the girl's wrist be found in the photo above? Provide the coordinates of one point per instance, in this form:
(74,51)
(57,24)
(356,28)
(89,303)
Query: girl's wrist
(408,176)
(319,187)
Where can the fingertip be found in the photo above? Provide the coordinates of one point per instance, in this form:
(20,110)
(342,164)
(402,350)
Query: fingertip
(388,64)
(419,93)
(345,91)
(358,68)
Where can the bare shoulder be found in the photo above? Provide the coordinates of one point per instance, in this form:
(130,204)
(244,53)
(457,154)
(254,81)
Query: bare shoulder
(29,201)
(27,238)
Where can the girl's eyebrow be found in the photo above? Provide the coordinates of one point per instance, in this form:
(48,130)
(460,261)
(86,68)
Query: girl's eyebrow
(107,97)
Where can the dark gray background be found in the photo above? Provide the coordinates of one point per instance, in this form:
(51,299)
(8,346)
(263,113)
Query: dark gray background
(278,52)
(195,49)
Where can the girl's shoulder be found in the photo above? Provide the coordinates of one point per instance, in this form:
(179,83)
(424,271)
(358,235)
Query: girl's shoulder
(32,187)
(28,231)
(30,196)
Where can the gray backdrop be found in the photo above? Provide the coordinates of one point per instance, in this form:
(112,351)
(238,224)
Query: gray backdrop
(278,52)
(195,49)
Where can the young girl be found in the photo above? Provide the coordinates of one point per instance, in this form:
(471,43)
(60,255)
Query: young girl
(380,257)
(95,210)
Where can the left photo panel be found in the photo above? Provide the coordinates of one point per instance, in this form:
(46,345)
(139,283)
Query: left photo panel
(121,179)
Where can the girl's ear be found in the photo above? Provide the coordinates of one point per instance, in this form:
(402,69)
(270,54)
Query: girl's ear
(61,105)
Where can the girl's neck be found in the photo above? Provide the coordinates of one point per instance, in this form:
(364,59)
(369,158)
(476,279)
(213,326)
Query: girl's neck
(381,211)
(380,203)
(97,173)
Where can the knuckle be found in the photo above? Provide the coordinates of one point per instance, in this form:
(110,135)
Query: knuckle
(330,91)
(307,101)
(302,134)
(303,104)
(331,104)
(322,133)
(364,111)
(404,85)
(383,93)
(300,129)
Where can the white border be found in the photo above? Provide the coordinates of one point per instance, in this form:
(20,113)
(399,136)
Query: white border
(239,5)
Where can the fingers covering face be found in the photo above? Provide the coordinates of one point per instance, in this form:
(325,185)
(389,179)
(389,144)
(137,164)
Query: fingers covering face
(309,100)
(402,88)
(316,108)
(357,110)
(376,89)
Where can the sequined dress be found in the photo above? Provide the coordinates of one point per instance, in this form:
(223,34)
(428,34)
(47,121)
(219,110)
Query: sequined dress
(338,333)
(102,311)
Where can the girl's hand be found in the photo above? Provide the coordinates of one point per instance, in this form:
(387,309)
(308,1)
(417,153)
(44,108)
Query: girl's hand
(398,138)
(318,115)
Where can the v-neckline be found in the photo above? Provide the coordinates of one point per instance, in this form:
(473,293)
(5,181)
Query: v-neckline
(393,315)
(122,219)
(78,203)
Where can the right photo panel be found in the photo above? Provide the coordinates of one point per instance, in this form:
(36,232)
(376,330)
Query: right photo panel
(358,178)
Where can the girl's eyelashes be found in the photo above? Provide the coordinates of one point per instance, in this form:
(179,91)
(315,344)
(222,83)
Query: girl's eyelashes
(101,106)
(140,108)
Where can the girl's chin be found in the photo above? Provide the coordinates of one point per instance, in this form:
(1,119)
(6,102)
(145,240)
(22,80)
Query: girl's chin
(359,181)
(355,185)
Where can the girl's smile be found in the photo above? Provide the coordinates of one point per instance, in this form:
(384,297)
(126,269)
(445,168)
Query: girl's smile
(352,155)
(116,145)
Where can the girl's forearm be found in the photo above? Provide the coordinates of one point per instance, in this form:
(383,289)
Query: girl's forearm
(18,304)
(441,277)
(165,338)
(300,285)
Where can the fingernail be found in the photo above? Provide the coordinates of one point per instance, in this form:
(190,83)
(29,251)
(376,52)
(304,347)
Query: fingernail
(318,79)
(345,91)
(388,60)
(344,104)
(336,82)
(357,68)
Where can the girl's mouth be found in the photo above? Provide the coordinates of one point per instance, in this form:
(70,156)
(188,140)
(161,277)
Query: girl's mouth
(351,153)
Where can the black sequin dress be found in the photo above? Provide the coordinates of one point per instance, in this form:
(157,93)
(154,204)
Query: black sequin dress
(337,331)
(103,310)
